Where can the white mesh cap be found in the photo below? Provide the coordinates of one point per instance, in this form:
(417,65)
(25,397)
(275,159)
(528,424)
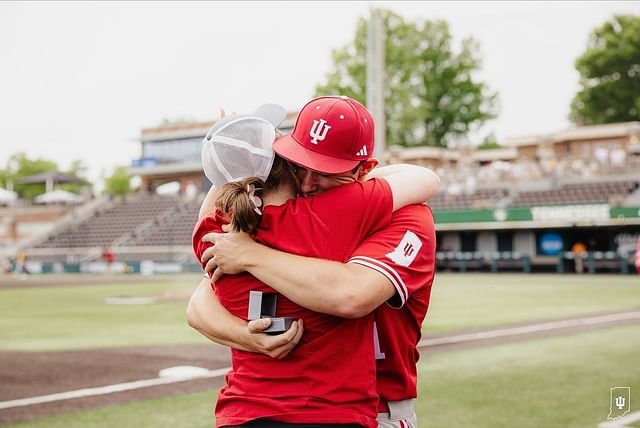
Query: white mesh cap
(237,147)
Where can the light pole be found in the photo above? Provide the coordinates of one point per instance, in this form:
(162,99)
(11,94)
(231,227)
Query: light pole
(376,35)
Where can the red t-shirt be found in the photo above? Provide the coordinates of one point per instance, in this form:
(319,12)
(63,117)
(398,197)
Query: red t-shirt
(330,375)
(108,257)
(404,252)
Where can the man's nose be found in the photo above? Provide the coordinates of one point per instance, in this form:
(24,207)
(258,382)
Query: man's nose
(308,181)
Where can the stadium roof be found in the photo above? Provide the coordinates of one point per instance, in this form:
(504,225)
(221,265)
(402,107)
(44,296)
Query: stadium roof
(50,179)
(591,132)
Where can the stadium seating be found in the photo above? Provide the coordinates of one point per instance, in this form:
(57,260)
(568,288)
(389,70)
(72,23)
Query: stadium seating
(173,230)
(482,198)
(116,223)
(579,193)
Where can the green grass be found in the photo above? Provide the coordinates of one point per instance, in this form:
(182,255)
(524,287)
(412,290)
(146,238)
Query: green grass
(559,382)
(72,317)
(179,411)
(555,382)
(75,317)
(467,301)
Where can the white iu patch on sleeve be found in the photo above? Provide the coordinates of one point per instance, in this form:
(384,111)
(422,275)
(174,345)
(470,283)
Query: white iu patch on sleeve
(407,250)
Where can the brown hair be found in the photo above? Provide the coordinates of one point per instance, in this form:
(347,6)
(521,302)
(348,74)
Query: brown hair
(234,202)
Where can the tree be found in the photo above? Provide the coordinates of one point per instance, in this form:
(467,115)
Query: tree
(490,142)
(20,166)
(431,94)
(78,169)
(119,183)
(610,74)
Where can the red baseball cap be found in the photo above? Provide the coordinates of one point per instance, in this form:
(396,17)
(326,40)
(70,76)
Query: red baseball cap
(332,135)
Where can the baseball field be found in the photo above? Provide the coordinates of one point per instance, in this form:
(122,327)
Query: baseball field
(499,350)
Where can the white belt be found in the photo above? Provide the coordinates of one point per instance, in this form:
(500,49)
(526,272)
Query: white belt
(403,409)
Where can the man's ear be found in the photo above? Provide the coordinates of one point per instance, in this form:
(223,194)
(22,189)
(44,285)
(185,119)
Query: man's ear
(367,167)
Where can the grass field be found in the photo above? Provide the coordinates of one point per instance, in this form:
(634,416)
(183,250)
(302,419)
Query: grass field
(75,317)
(551,382)
(555,382)
(466,301)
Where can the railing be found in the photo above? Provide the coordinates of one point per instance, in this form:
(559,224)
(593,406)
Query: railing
(593,262)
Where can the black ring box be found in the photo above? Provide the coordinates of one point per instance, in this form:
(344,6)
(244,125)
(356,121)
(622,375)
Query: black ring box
(263,305)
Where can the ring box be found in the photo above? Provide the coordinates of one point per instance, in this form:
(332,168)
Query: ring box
(263,305)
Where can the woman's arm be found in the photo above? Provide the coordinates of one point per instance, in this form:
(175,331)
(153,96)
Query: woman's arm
(410,184)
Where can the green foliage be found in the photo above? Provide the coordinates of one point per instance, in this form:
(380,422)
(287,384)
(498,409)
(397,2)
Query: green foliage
(5,177)
(119,183)
(20,166)
(610,74)
(78,169)
(183,411)
(431,94)
(74,317)
(490,142)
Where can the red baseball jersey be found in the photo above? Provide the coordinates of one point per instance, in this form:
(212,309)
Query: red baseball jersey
(330,375)
(404,252)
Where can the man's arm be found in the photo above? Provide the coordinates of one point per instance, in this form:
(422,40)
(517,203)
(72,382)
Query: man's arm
(344,290)
(206,314)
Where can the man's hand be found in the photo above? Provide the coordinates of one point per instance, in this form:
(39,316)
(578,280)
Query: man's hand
(277,347)
(229,253)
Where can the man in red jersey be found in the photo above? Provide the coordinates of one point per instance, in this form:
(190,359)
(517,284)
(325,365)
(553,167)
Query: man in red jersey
(395,265)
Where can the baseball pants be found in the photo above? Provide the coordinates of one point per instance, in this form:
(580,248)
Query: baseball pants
(267,423)
(402,414)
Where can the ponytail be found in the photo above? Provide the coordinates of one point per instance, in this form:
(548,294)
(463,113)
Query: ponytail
(241,202)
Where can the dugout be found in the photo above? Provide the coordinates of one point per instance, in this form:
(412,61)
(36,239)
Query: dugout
(536,247)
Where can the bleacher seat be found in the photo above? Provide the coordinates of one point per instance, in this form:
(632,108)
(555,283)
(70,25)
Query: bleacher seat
(121,219)
(578,193)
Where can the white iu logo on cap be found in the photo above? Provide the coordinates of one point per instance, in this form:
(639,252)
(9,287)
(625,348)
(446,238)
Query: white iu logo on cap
(319,131)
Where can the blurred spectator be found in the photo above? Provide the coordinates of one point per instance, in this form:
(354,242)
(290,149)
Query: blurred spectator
(21,263)
(578,251)
(601,154)
(618,157)
(5,265)
(191,191)
(637,261)
(470,185)
(454,189)
(109,258)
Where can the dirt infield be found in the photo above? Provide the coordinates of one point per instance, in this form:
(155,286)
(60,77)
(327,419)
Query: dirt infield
(31,374)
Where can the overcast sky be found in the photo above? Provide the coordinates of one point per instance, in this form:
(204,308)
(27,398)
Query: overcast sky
(80,80)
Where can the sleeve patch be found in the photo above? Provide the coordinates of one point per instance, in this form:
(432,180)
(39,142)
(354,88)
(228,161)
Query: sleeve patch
(407,250)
